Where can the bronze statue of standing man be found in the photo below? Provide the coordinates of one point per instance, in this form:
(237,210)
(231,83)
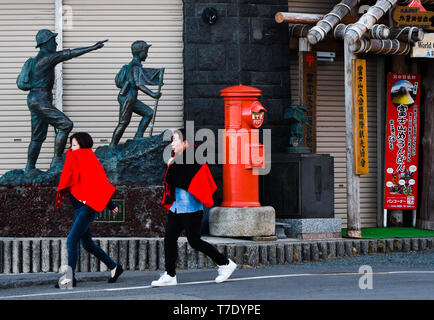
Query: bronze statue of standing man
(38,77)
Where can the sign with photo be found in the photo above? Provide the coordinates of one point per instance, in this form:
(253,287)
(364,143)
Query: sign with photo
(402,139)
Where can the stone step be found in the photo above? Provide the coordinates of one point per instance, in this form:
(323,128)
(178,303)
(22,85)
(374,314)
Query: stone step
(31,255)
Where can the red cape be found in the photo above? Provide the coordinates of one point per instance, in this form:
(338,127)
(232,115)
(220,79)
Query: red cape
(199,183)
(85,177)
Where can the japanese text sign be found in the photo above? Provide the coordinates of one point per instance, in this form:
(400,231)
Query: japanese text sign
(360,117)
(402,139)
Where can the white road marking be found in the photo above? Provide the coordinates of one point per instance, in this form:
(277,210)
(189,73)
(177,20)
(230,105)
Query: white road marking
(73,291)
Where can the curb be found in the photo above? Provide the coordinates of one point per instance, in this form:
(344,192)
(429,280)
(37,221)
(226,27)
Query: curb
(36,255)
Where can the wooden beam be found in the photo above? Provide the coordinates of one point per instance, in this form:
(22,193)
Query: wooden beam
(303,18)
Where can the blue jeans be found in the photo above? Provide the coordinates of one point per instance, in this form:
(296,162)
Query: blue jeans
(84,216)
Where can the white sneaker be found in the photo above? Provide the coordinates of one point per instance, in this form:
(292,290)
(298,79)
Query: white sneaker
(165,280)
(225,271)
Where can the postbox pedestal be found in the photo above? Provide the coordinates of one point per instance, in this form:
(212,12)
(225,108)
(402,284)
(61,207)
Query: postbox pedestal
(242,221)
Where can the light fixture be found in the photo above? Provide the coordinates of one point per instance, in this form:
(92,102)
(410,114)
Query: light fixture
(325,56)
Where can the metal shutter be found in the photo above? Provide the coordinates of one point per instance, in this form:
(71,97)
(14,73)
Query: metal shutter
(20,20)
(331,132)
(90,94)
(331,120)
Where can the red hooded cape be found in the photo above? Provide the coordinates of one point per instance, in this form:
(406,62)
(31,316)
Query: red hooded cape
(195,179)
(85,177)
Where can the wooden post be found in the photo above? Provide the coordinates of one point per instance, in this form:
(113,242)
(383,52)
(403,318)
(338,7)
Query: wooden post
(356,31)
(353,181)
(426,218)
(330,20)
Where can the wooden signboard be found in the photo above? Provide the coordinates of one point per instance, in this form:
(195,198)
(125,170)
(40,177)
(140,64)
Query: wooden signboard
(308,88)
(411,16)
(360,122)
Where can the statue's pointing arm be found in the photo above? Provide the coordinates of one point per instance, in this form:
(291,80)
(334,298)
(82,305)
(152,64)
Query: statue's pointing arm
(68,54)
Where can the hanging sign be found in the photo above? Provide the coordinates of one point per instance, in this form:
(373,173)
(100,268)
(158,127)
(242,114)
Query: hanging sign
(402,140)
(424,48)
(360,117)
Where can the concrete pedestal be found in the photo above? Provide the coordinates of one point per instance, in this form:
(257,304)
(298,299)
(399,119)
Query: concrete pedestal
(315,228)
(242,221)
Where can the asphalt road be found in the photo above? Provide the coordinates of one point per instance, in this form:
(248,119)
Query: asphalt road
(395,276)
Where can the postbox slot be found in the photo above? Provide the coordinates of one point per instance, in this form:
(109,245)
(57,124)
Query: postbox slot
(233,115)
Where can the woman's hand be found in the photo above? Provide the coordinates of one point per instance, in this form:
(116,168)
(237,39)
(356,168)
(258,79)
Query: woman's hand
(115,210)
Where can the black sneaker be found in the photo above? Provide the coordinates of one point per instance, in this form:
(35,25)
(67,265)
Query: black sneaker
(118,272)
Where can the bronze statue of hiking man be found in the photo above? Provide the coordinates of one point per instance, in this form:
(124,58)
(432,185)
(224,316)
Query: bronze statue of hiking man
(37,76)
(130,79)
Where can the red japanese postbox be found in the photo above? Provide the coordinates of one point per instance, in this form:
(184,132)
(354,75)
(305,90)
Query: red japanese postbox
(242,152)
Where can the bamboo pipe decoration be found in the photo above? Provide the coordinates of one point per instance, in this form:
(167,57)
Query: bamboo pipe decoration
(380,46)
(378,31)
(410,34)
(330,20)
(356,31)
(298,30)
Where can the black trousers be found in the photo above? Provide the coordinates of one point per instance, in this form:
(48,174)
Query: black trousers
(190,222)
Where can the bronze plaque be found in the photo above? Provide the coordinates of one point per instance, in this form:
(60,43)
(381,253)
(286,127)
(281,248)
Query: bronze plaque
(108,216)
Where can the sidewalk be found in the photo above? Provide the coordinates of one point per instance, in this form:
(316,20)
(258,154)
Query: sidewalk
(35,261)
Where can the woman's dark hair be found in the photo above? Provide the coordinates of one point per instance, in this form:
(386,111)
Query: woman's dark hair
(83,138)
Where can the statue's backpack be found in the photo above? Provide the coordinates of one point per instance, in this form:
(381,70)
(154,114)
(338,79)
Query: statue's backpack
(121,79)
(23,80)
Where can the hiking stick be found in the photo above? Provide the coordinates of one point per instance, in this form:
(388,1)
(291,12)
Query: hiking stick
(160,84)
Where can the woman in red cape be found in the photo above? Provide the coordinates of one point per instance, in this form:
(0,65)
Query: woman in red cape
(90,192)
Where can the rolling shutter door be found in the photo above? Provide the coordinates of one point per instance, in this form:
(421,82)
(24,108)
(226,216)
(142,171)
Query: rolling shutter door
(331,132)
(331,119)
(20,20)
(90,94)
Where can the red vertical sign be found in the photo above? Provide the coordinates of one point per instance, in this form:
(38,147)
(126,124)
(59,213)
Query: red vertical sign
(402,140)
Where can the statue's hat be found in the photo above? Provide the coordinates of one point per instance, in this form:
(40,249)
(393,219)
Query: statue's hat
(139,45)
(43,36)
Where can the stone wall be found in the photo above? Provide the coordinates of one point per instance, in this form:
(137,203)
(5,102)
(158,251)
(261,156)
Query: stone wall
(48,254)
(245,46)
(28,211)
